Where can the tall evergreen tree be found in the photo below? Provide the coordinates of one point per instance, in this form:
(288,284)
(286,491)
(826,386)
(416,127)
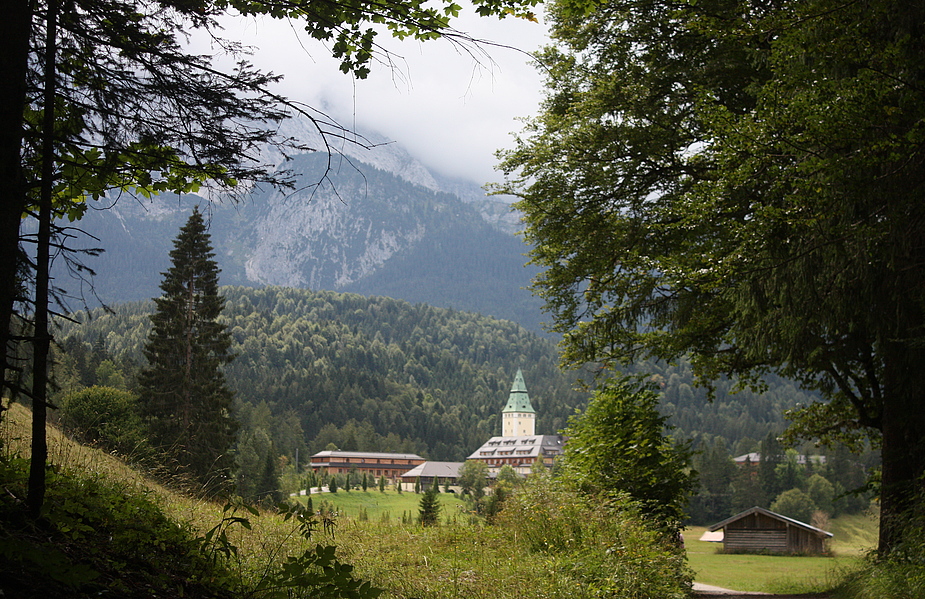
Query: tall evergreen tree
(429,506)
(184,398)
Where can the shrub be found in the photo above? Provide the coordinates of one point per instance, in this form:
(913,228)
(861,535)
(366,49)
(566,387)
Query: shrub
(106,417)
(618,445)
(607,549)
(794,504)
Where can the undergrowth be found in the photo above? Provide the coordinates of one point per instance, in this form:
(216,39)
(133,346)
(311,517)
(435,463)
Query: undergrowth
(901,573)
(547,543)
(105,531)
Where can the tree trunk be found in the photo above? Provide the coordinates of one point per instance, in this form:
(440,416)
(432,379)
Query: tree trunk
(15,28)
(41,341)
(903,449)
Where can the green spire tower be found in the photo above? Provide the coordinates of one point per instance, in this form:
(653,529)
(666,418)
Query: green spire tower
(518,419)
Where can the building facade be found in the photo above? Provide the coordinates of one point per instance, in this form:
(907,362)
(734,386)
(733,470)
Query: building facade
(519,446)
(390,465)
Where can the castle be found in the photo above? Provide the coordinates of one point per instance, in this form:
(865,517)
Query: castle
(519,446)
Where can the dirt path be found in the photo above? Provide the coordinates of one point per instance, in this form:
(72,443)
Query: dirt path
(706,591)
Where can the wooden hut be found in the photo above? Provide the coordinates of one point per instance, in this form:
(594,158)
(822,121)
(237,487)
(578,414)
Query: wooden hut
(758,530)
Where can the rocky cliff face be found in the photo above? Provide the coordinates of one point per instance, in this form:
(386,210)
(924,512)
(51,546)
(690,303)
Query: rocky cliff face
(331,233)
(378,227)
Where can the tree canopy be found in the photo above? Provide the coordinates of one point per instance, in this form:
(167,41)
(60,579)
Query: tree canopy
(740,182)
(619,445)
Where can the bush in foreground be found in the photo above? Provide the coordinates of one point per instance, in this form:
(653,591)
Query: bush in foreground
(606,550)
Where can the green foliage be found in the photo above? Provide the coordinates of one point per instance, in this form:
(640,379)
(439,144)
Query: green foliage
(604,549)
(429,506)
(473,476)
(185,401)
(821,492)
(737,182)
(713,500)
(368,374)
(795,504)
(97,537)
(346,27)
(316,572)
(618,445)
(507,477)
(901,573)
(108,417)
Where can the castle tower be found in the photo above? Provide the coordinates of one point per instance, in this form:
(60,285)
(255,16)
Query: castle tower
(518,419)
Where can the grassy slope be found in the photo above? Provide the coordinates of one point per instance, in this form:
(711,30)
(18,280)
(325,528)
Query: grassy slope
(454,560)
(268,542)
(854,535)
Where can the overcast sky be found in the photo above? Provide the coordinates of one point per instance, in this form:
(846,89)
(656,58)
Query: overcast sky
(448,109)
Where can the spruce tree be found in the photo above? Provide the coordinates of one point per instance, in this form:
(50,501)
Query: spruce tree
(429,506)
(184,398)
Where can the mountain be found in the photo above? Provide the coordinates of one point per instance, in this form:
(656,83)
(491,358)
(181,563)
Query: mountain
(347,226)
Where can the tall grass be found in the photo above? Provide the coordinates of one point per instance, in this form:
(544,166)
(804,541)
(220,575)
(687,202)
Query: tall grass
(547,544)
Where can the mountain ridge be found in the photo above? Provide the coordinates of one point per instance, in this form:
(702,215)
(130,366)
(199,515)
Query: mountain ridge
(346,226)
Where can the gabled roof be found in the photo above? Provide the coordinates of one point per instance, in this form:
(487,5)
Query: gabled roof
(770,514)
(518,400)
(531,447)
(438,469)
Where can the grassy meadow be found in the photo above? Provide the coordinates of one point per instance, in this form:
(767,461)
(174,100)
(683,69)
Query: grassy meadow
(554,546)
(385,507)
(456,551)
(854,536)
(557,547)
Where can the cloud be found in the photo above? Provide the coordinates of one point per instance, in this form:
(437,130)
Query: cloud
(450,106)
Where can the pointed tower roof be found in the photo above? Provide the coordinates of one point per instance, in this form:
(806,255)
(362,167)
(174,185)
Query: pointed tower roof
(518,400)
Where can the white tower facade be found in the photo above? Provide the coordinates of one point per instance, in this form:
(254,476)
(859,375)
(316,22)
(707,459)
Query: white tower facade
(518,419)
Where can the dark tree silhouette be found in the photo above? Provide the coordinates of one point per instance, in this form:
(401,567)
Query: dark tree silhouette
(184,399)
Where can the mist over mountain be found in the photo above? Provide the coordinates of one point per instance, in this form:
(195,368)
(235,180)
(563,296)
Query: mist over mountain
(374,222)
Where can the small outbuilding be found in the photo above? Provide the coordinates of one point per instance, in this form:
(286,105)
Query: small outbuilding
(758,530)
(444,472)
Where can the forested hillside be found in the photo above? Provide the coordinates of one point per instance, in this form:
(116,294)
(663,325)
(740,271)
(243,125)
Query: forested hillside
(362,373)
(374,372)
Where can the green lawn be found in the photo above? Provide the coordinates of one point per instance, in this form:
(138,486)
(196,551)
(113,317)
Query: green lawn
(854,535)
(387,506)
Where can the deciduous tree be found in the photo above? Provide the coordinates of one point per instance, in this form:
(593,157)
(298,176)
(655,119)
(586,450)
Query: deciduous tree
(472,478)
(619,445)
(741,182)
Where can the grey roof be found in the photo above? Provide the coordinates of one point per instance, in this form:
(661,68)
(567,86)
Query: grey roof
(755,457)
(532,446)
(366,454)
(518,400)
(769,513)
(438,469)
